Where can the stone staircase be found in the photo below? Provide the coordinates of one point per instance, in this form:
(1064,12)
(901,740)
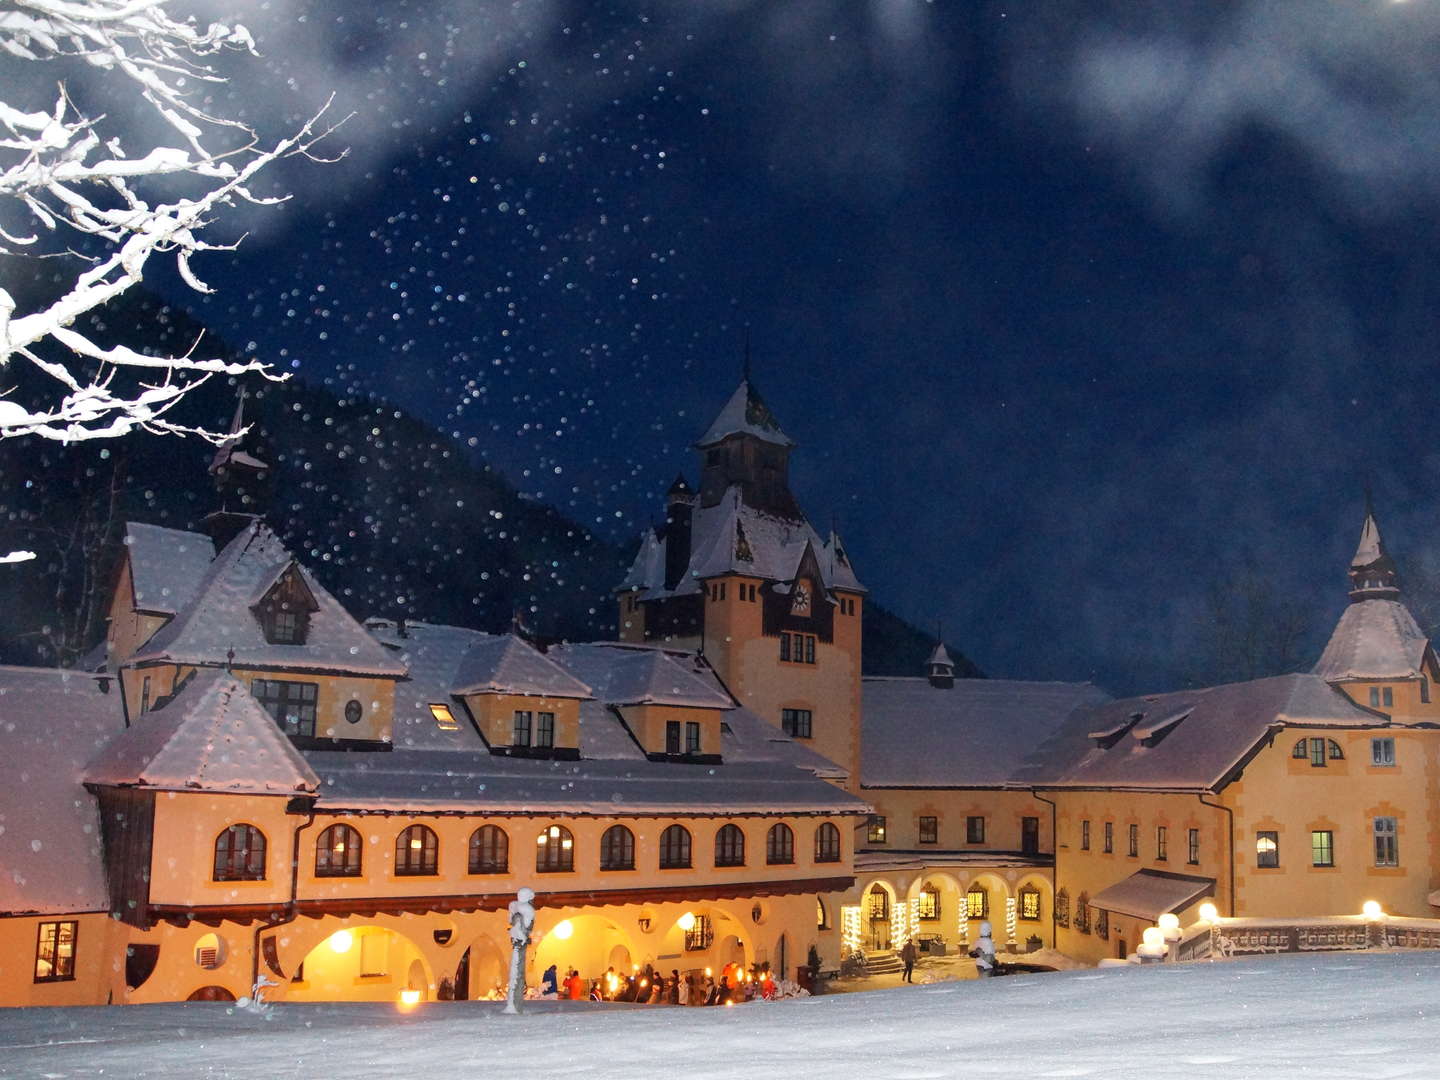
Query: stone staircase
(885,962)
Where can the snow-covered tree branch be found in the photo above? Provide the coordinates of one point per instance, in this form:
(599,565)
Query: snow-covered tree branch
(70,191)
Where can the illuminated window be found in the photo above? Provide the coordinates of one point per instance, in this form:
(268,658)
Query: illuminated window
(700,936)
(240,854)
(1267,849)
(929,830)
(337,852)
(879,904)
(1030,903)
(1387,849)
(617,849)
(929,904)
(1322,848)
(417,851)
(55,951)
(444,718)
(730,846)
(780,845)
(675,848)
(827,843)
(1382,751)
(977,902)
(489,851)
(555,851)
(875,829)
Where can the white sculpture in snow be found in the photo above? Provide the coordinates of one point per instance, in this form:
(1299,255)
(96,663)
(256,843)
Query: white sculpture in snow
(522,921)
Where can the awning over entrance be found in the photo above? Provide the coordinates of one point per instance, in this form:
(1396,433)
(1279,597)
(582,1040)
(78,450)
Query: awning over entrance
(1148,894)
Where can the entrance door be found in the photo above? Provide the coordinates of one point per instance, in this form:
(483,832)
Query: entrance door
(878,909)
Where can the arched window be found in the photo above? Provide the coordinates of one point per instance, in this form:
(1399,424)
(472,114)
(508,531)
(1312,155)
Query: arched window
(1029,906)
(1335,753)
(822,917)
(240,854)
(1300,749)
(337,852)
(729,846)
(1062,908)
(617,849)
(879,904)
(780,845)
(977,902)
(928,903)
(827,843)
(489,850)
(675,848)
(417,852)
(555,851)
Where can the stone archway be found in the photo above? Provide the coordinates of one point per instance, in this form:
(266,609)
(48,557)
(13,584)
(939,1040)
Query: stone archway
(986,897)
(938,915)
(587,943)
(1034,907)
(361,962)
(877,908)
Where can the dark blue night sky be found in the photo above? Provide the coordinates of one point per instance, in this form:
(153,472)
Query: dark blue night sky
(1079,311)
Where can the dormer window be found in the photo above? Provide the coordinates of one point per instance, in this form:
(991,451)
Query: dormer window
(285,608)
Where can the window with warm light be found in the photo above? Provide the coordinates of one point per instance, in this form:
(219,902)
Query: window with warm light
(55,951)
(700,936)
(875,829)
(444,718)
(1029,908)
(417,852)
(1322,847)
(928,906)
(977,902)
(555,851)
(338,852)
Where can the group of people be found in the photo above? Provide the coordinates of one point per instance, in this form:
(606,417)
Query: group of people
(649,987)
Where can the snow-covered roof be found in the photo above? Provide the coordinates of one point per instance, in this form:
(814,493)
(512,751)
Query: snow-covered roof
(483,783)
(745,414)
(51,724)
(640,675)
(940,656)
(1197,737)
(1374,639)
(432,654)
(1148,894)
(973,734)
(211,736)
(507,665)
(219,619)
(733,537)
(166,565)
(748,737)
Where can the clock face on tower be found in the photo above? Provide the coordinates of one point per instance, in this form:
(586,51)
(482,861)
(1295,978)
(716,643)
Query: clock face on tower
(800,599)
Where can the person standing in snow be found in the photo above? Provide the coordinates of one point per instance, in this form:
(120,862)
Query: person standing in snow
(908,954)
(984,952)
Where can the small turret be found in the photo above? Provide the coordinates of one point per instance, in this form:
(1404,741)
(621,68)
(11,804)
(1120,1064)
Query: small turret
(239,478)
(1372,571)
(940,668)
(679,516)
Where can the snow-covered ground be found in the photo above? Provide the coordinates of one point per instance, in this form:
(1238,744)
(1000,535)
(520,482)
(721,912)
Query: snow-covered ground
(1374,1016)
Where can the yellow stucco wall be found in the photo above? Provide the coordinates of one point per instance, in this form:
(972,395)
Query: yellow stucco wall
(495,713)
(99,962)
(1003,812)
(648,723)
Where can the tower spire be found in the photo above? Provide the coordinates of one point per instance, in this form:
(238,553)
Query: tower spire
(1372,571)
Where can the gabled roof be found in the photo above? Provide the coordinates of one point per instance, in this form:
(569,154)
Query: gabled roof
(211,736)
(166,566)
(640,675)
(745,414)
(1374,639)
(733,537)
(507,665)
(1196,737)
(51,724)
(219,619)
(973,734)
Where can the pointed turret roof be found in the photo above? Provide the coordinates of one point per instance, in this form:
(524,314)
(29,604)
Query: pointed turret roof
(212,736)
(940,657)
(228,453)
(680,486)
(745,414)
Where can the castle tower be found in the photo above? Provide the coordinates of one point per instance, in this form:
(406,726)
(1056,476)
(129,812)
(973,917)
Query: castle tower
(740,574)
(1377,653)
(240,480)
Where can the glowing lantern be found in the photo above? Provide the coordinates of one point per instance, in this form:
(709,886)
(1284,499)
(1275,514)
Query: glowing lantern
(341,940)
(409,997)
(1169,925)
(687,923)
(1209,912)
(1372,909)
(563,929)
